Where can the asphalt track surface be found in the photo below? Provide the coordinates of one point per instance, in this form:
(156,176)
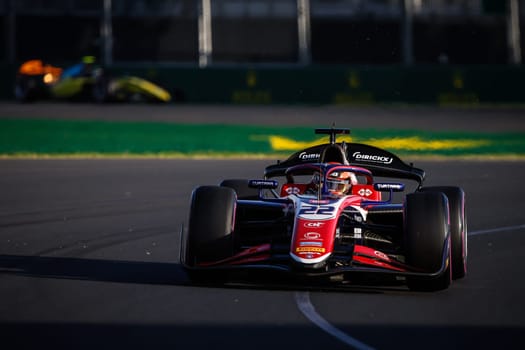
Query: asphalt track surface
(89,259)
(478,119)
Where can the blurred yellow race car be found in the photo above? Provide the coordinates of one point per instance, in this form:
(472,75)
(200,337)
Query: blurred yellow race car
(83,81)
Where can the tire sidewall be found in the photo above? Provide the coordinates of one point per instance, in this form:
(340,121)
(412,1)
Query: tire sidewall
(458,227)
(211,224)
(427,240)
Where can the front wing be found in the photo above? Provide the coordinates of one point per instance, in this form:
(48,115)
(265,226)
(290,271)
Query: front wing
(365,263)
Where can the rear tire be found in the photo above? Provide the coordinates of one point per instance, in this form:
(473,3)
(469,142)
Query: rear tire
(458,227)
(426,235)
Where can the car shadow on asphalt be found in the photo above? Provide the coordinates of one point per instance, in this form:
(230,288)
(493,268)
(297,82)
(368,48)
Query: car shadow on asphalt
(164,273)
(119,271)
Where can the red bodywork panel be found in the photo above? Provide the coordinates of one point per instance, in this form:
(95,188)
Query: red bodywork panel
(362,255)
(315,225)
(314,237)
(367,192)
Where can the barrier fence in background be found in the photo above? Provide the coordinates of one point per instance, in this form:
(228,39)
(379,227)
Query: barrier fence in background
(282,51)
(300,32)
(463,85)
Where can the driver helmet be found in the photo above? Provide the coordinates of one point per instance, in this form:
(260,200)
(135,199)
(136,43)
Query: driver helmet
(340,182)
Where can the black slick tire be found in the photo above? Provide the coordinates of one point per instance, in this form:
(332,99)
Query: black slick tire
(458,227)
(426,239)
(211,224)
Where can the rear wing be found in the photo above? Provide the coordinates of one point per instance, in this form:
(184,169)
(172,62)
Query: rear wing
(380,162)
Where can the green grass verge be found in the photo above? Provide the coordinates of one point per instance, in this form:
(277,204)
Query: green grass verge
(81,138)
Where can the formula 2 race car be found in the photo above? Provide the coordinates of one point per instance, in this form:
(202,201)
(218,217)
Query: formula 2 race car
(84,81)
(323,215)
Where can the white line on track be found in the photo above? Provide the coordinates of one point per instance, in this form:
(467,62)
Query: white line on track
(305,306)
(499,229)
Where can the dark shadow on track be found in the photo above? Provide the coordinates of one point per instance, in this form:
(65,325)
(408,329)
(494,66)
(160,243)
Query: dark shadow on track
(130,336)
(53,335)
(93,270)
(157,273)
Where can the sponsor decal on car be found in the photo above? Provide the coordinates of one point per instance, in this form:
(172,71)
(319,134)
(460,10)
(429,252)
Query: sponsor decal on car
(293,190)
(263,183)
(309,156)
(310,250)
(314,224)
(365,192)
(318,201)
(389,186)
(381,255)
(312,235)
(372,158)
(308,243)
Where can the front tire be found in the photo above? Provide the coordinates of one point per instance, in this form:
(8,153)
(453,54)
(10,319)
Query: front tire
(427,239)
(211,224)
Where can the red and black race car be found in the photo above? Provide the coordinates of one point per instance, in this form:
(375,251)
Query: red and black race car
(324,214)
